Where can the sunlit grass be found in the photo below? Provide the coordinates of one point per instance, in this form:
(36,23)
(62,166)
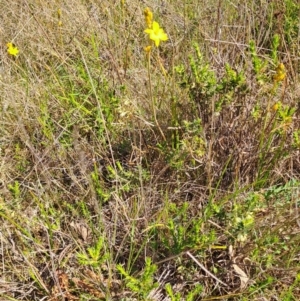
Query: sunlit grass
(149,151)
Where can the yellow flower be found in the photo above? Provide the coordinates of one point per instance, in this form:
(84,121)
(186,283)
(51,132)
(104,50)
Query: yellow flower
(12,49)
(148,17)
(280,73)
(276,106)
(156,33)
(147,49)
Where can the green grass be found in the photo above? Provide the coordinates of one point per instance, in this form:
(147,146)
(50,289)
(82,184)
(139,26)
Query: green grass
(164,175)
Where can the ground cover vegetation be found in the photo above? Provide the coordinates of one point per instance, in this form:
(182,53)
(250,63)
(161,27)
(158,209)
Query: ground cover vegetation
(149,150)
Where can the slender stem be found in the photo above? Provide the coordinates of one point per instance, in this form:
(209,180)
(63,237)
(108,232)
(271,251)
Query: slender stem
(152,98)
(161,65)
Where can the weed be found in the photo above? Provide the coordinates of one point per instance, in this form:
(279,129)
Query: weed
(95,255)
(145,283)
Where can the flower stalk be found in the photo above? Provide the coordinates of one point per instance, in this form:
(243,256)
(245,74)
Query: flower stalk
(156,35)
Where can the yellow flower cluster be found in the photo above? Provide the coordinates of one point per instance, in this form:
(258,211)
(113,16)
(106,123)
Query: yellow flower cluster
(12,49)
(280,73)
(155,32)
(148,17)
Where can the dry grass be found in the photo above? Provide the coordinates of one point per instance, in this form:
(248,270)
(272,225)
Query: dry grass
(92,186)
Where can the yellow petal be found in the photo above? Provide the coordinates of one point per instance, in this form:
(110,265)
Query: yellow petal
(12,49)
(155,26)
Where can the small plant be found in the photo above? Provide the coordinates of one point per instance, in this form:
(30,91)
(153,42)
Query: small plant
(15,189)
(102,193)
(203,83)
(95,255)
(145,283)
(259,65)
(242,224)
(191,296)
(180,233)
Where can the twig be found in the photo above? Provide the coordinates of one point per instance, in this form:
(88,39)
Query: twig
(204,269)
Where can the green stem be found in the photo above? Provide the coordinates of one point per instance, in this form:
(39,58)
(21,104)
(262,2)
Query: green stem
(152,98)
